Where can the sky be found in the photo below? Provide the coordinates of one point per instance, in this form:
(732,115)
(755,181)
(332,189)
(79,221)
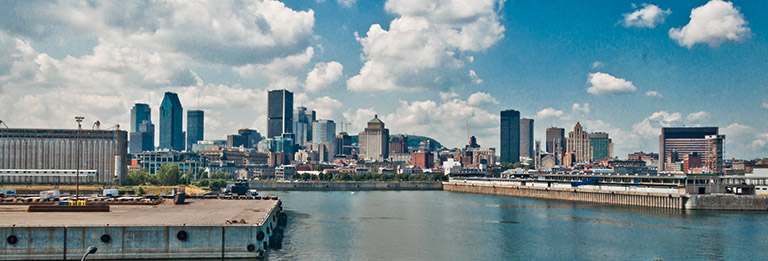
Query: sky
(425,67)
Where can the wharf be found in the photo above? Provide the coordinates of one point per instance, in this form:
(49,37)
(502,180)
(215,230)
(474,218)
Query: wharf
(201,228)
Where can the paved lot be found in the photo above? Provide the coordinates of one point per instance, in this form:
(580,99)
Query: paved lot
(195,212)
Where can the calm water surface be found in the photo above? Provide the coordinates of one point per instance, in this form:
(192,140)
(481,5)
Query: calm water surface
(440,225)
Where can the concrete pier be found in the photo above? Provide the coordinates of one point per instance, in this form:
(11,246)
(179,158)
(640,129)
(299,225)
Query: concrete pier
(641,199)
(203,228)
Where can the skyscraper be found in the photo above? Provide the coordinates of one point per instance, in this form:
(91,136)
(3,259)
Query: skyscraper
(374,140)
(578,144)
(302,125)
(715,151)
(324,131)
(526,138)
(171,133)
(279,113)
(510,136)
(139,113)
(676,142)
(602,146)
(195,119)
(555,139)
(144,139)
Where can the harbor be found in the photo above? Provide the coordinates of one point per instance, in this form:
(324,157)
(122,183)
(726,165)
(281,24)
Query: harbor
(199,228)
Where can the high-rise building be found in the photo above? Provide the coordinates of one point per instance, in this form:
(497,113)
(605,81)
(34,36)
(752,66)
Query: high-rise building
(247,138)
(398,144)
(555,140)
(510,136)
(374,141)
(171,132)
(302,125)
(526,138)
(578,144)
(144,139)
(602,146)
(56,149)
(343,145)
(323,131)
(715,151)
(139,113)
(195,119)
(676,142)
(279,113)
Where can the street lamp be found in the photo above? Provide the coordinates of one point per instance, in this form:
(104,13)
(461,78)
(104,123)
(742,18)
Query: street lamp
(78,119)
(91,250)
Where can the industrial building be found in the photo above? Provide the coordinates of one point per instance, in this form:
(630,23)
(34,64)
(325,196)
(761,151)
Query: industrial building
(104,151)
(677,142)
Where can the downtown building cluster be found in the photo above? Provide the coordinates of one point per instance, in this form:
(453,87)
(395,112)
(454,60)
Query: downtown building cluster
(297,142)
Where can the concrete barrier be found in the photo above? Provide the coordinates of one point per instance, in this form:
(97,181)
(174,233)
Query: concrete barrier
(727,202)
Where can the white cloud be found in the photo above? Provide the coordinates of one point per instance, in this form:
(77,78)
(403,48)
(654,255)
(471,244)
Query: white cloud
(358,119)
(280,73)
(606,84)
(448,95)
(651,126)
(736,129)
(597,64)
(347,3)
(549,113)
(323,75)
(698,116)
(654,94)
(326,107)
(713,23)
(481,98)
(578,108)
(417,117)
(649,16)
(426,46)
(765,105)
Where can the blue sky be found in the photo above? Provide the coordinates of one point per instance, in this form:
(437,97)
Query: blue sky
(425,67)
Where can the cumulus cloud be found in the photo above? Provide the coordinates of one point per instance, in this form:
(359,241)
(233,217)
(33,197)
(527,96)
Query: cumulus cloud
(713,23)
(450,129)
(654,94)
(481,98)
(140,50)
(765,105)
(326,107)
(549,113)
(597,64)
(578,108)
(280,73)
(359,118)
(698,116)
(323,75)
(426,46)
(606,84)
(448,95)
(651,126)
(649,16)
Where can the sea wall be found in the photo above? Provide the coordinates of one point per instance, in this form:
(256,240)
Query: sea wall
(139,242)
(373,185)
(644,199)
(727,202)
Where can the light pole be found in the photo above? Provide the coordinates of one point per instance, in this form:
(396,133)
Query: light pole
(91,250)
(79,120)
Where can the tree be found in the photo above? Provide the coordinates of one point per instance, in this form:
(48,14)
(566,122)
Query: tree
(168,175)
(139,191)
(184,179)
(140,177)
(203,183)
(217,184)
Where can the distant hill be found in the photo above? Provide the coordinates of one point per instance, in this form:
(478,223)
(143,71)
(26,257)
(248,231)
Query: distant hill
(413,140)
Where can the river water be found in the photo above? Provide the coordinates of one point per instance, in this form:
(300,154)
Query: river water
(441,225)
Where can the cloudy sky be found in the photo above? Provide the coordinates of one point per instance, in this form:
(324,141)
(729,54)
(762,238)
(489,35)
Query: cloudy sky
(425,67)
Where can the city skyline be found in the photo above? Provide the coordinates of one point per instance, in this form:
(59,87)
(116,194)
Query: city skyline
(615,67)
